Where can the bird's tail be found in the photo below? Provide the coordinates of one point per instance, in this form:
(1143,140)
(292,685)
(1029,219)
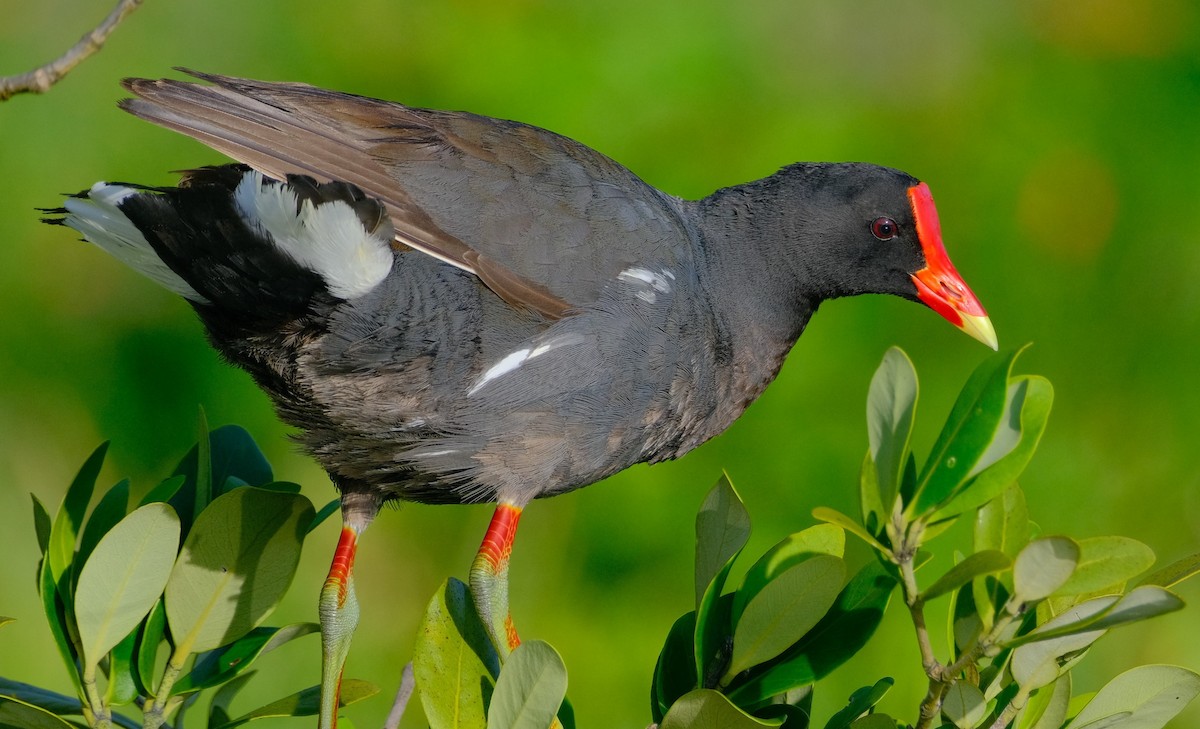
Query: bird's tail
(230,239)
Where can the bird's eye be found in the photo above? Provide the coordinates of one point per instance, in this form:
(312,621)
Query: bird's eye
(884,228)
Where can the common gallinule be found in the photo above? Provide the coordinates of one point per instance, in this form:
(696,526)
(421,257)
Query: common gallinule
(453,308)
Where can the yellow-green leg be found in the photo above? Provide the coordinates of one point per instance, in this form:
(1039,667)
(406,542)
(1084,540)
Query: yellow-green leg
(489,578)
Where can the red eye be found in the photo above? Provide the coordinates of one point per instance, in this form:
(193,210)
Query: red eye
(884,228)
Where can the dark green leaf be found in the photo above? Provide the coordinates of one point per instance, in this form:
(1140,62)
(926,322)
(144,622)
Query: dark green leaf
(891,410)
(1042,567)
(69,519)
(41,524)
(306,702)
(1105,562)
(874,721)
(236,563)
(20,715)
(326,511)
(164,491)
(970,433)
(793,717)
(675,671)
(234,458)
(219,665)
(122,689)
(1146,697)
(1027,409)
(109,510)
(873,515)
(454,662)
(124,577)
(708,709)
(56,617)
(979,563)
(218,710)
(150,635)
(826,539)
(860,702)
(531,687)
(1174,573)
(843,632)
(837,518)
(785,610)
(51,701)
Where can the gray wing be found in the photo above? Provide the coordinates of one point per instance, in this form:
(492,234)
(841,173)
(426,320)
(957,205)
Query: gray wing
(543,221)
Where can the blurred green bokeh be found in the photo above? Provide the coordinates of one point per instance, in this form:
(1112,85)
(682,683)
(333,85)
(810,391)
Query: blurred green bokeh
(1061,140)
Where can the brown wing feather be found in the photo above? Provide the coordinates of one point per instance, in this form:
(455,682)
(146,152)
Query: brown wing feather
(331,139)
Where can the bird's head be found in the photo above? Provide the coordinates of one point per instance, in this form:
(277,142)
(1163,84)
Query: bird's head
(880,234)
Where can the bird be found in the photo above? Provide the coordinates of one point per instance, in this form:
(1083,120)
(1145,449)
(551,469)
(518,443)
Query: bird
(453,308)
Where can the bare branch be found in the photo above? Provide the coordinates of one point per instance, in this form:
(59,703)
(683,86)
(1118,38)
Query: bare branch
(40,79)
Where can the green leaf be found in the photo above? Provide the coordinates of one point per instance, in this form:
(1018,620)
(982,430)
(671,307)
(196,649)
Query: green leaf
(67,522)
(531,687)
(122,688)
(1027,409)
(233,458)
(891,411)
(326,511)
(218,709)
(54,606)
(1146,697)
(874,721)
(20,715)
(236,563)
(124,577)
(972,431)
(979,563)
(785,610)
(1037,664)
(1174,573)
(824,539)
(861,701)
(1003,523)
(1105,562)
(1042,567)
(843,632)
(708,709)
(675,671)
(5,620)
(1047,709)
(837,518)
(41,524)
(51,701)
(1142,603)
(222,664)
(454,663)
(110,510)
(150,635)
(306,702)
(964,705)
(164,491)
(870,503)
(722,528)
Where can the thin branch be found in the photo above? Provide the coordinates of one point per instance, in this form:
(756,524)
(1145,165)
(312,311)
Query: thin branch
(403,694)
(40,79)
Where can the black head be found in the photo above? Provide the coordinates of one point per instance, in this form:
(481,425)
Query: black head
(857,228)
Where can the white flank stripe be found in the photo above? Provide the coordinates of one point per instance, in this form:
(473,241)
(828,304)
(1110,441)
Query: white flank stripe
(328,239)
(648,283)
(99,219)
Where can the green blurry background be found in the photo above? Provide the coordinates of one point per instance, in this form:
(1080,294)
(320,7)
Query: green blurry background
(1061,140)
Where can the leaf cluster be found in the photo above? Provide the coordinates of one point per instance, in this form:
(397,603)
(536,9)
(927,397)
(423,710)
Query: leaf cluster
(153,602)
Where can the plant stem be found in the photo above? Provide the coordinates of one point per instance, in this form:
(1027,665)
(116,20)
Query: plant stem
(157,708)
(100,717)
(939,678)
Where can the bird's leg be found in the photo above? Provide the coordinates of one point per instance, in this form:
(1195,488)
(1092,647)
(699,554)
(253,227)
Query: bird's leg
(338,606)
(489,578)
